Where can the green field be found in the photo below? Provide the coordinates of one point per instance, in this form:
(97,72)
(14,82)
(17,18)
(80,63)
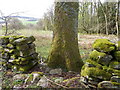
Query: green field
(25,22)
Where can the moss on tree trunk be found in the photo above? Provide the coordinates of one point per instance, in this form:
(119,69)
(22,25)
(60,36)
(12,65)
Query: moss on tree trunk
(65,53)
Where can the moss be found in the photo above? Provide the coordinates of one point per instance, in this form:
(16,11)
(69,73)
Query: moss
(56,58)
(24,62)
(13,38)
(65,52)
(16,61)
(24,40)
(104,45)
(118,46)
(12,51)
(1,49)
(95,72)
(24,68)
(13,57)
(94,63)
(114,64)
(4,40)
(25,58)
(117,55)
(116,84)
(95,55)
(10,46)
(115,79)
(110,70)
(116,74)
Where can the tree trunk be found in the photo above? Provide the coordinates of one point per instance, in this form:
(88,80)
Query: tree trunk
(6,27)
(105,15)
(117,24)
(65,52)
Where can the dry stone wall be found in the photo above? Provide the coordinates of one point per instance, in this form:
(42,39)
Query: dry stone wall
(103,64)
(18,52)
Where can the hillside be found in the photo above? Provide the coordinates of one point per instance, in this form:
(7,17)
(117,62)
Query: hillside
(25,20)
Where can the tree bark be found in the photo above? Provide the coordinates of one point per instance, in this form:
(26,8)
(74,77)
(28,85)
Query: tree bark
(65,52)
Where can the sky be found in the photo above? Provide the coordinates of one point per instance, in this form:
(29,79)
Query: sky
(31,8)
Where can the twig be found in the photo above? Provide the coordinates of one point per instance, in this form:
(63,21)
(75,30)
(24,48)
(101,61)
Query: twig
(55,83)
(84,85)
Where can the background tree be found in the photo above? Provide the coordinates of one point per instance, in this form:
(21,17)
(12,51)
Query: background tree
(15,24)
(6,19)
(40,24)
(65,52)
(46,23)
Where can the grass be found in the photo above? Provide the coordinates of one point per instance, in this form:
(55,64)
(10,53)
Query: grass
(43,46)
(25,22)
(44,40)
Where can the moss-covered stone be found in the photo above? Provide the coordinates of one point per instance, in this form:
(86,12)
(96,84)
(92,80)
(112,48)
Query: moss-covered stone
(100,57)
(105,84)
(10,46)
(10,52)
(104,45)
(117,55)
(14,51)
(13,38)
(4,55)
(115,65)
(31,45)
(118,46)
(116,84)
(24,68)
(114,72)
(22,47)
(30,39)
(1,49)
(24,40)
(4,40)
(27,52)
(95,72)
(93,63)
(13,57)
(115,79)
(95,55)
